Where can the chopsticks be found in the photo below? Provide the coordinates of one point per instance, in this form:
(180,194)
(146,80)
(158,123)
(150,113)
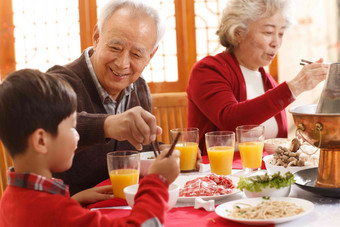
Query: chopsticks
(155,148)
(305,62)
(173,145)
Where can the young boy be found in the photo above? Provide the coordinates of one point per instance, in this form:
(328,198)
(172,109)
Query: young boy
(37,126)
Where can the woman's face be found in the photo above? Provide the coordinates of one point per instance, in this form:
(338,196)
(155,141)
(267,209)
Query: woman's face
(258,46)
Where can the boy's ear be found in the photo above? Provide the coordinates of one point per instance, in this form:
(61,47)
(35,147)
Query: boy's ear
(39,140)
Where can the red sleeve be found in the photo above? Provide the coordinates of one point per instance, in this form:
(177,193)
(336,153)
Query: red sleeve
(37,208)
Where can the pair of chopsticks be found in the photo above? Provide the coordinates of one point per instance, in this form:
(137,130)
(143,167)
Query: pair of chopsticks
(154,144)
(173,145)
(305,62)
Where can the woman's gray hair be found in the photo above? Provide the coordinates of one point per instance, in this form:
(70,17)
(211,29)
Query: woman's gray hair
(137,6)
(238,13)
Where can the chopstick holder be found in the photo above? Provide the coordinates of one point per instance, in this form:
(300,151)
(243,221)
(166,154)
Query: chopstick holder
(207,205)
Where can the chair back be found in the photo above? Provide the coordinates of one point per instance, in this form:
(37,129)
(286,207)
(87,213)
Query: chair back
(5,163)
(170,110)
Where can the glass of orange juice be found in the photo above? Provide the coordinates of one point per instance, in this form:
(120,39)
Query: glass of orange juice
(220,146)
(250,139)
(188,146)
(123,167)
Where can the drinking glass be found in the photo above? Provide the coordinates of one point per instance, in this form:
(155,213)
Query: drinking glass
(220,147)
(123,167)
(250,139)
(188,146)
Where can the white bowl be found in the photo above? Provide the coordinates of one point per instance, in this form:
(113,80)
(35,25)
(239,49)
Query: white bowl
(271,192)
(271,169)
(130,192)
(270,145)
(146,158)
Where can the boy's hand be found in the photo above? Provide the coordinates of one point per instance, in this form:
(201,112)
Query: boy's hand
(167,167)
(93,195)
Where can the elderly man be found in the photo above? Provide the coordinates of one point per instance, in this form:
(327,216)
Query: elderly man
(105,78)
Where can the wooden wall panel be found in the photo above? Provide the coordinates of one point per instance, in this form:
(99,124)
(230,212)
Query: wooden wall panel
(7,54)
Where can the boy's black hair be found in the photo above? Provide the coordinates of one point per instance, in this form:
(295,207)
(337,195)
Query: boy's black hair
(30,99)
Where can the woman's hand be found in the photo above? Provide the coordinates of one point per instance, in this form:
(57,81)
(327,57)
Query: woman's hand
(93,195)
(309,76)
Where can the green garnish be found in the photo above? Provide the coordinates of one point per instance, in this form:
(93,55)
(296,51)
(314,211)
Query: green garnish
(238,207)
(256,183)
(266,197)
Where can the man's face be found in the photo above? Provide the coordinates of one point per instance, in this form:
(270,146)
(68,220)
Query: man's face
(123,49)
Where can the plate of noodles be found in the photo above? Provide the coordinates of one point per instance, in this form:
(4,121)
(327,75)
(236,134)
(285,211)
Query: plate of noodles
(265,210)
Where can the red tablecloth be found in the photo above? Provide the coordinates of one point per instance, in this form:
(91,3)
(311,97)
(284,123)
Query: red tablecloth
(178,216)
(185,216)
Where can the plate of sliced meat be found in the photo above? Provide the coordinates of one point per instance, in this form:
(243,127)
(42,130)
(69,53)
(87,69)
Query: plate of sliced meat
(208,186)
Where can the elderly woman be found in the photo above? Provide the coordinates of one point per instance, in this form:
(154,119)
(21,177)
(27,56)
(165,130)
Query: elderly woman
(232,88)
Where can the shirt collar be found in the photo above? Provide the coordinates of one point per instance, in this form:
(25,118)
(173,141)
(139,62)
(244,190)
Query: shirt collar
(37,182)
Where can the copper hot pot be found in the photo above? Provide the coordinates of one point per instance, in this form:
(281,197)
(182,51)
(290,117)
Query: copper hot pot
(321,130)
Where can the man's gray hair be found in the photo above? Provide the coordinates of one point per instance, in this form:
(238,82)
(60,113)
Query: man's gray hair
(238,13)
(137,6)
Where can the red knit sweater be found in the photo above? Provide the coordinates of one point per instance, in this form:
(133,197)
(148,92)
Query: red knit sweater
(23,207)
(217,98)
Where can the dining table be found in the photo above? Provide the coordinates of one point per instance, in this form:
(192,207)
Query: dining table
(326,210)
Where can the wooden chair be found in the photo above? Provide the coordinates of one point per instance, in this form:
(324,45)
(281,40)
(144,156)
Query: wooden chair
(5,163)
(170,110)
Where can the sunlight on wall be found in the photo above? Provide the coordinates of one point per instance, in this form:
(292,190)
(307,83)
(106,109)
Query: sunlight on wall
(45,34)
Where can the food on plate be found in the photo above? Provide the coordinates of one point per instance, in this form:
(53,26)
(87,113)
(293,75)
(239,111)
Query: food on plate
(209,185)
(266,210)
(295,155)
(258,182)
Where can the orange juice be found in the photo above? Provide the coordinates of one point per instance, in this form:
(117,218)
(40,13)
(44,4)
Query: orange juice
(221,159)
(188,157)
(251,154)
(121,178)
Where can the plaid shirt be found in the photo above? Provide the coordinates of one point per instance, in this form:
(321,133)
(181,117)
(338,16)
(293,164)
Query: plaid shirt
(36,182)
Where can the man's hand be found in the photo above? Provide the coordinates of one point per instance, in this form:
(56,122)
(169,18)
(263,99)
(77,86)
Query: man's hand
(135,125)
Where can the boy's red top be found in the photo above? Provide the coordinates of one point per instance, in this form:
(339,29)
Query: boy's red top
(33,200)
(217,98)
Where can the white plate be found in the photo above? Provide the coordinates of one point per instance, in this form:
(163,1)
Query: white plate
(183,178)
(221,210)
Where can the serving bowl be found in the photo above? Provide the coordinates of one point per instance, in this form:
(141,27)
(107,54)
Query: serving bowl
(146,158)
(130,192)
(270,145)
(261,184)
(271,169)
(271,192)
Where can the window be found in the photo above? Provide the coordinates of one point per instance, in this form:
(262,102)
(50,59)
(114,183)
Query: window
(56,32)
